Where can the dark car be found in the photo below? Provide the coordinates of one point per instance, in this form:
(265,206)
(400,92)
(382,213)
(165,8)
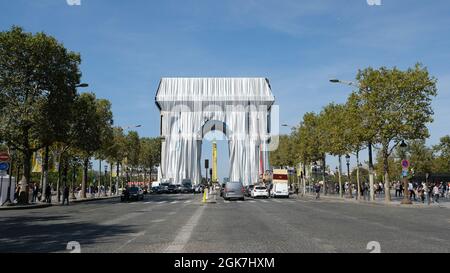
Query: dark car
(163,188)
(172,189)
(132,194)
(186,186)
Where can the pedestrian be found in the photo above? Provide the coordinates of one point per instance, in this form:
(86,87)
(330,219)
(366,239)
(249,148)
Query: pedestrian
(421,193)
(16,193)
(411,191)
(48,194)
(317,188)
(66,193)
(436,193)
(397,189)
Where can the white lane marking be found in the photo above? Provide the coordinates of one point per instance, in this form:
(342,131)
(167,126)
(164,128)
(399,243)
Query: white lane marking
(264,201)
(185,233)
(120,219)
(147,202)
(275,200)
(188,201)
(162,202)
(173,202)
(252,201)
(226,201)
(135,236)
(158,220)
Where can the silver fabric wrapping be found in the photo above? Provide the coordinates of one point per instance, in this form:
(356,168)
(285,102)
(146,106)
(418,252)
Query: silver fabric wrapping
(191,107)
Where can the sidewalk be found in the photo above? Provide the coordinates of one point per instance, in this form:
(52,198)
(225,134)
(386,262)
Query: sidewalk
(55,202)
(396,201)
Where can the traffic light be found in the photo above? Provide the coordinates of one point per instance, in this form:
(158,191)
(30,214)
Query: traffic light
(206,164)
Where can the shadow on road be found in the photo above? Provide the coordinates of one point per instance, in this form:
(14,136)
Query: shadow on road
(50,233)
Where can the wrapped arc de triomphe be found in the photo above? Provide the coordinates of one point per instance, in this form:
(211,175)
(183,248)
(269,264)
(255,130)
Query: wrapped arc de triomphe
(191,107)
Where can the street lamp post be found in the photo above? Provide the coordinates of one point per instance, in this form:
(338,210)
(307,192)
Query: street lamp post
(106,173)
(350,194)
(315,173)
(337,174)
(406,200)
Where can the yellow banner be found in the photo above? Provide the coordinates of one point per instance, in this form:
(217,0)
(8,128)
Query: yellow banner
(37,162)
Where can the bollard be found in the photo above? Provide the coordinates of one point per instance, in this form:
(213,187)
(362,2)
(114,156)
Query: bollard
(204,196)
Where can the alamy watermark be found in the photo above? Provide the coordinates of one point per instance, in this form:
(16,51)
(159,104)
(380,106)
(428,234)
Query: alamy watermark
(73,2)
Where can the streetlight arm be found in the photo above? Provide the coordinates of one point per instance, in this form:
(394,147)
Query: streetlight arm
(350,83)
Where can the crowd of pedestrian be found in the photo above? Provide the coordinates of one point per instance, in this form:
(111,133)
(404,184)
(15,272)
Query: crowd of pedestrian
(37,194)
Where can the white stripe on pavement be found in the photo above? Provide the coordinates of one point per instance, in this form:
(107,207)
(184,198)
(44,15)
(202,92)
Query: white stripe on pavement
(184,234)
(162,202)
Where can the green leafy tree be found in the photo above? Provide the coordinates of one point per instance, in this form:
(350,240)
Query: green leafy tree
(87,132)
(38,79)
(420,156)
(150,154)
(441,163)
(133,151)
(398,104)
(284,155)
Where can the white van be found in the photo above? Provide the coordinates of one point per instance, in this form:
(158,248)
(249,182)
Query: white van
(280,184)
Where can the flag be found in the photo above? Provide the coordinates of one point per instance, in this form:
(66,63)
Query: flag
(37,162)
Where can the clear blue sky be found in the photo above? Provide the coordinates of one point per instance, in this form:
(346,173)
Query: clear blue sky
(127,46)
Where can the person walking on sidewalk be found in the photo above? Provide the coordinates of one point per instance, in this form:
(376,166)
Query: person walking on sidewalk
(66,194)
(317,188)
(48,194)
(436,193)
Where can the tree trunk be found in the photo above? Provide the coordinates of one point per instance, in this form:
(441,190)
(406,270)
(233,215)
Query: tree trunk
(99,176)
(117,176)
(304,179)
(358,182)
(58,183)
(45,170)
(74,180)
(23,195)
(371,176)
(110,178)
(324,175)
(85,177)
(387,184)
(340,176)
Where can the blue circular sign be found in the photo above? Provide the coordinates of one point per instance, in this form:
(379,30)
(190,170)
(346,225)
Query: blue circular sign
(4,166)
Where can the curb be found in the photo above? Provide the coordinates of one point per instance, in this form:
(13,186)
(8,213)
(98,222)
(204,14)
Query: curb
(45,205)
(392,204)
(40,206)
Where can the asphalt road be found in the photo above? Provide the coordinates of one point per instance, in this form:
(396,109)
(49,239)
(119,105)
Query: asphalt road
(180,223)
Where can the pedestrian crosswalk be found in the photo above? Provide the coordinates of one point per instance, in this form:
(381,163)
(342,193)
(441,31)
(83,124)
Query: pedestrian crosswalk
(220,201)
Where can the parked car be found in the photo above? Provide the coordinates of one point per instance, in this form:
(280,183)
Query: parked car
(186,186)
(172,189)
(260,191)
(234,190)
(163,188)
(248,190)
(155,189)
(132,194)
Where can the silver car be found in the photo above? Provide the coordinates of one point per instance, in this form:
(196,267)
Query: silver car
(234,190)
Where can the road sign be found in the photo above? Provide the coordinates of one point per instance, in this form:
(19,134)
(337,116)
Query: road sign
(4,157)
(405,164)
(405,173)
(4,166)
